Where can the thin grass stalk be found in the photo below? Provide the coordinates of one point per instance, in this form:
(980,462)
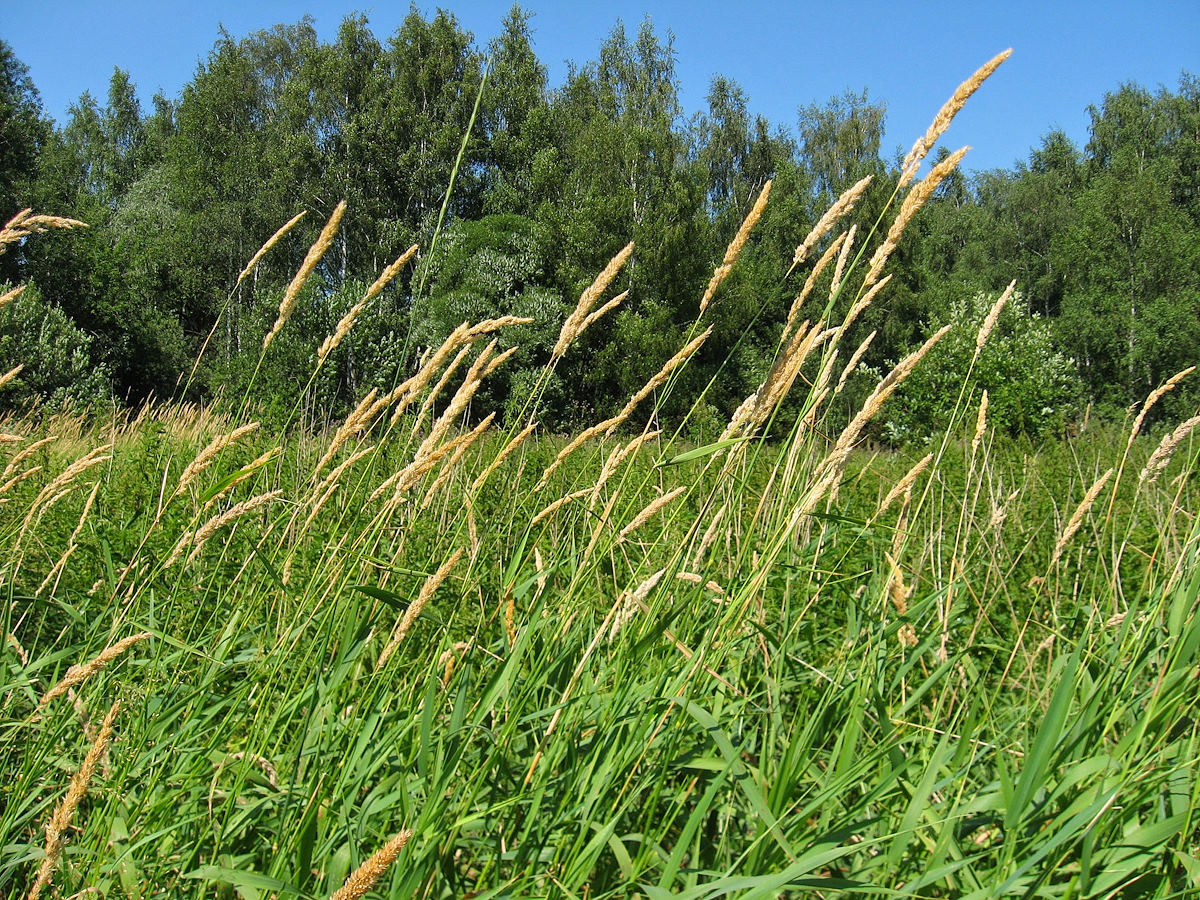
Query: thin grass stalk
(419,292)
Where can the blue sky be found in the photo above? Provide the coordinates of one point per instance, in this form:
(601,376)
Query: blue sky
(784,55)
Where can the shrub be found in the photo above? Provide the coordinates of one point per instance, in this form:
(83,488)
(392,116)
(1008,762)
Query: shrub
(59,370)
(1033,388)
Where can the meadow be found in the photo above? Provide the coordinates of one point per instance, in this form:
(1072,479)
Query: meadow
(420,653)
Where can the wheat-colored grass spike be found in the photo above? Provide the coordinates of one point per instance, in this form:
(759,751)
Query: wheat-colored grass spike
(512,445)
(64,813)
(81,672)
(1162,455)
(736,246)
(315,252)
(574,324)
(270,242)
(913,201)
(945,115)
(980,424)
(428,589)
(9,296)
(365,876)
(347,321)
(855,358)
(11,374)
(990,320)
(1077,518)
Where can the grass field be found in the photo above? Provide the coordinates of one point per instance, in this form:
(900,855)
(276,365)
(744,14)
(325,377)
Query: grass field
(421,655)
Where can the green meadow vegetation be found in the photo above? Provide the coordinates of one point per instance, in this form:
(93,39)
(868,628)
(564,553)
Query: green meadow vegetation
(857,630)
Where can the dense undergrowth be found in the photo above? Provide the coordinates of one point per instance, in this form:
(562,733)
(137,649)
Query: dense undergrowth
(240,661)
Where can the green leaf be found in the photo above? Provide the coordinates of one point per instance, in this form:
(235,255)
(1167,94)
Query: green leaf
(701,452)
(1037,759)
(240,879)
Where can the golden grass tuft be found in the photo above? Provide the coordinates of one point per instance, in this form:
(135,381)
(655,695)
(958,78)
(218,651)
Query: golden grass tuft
(855,358)
(512,445)
(364,877)
(913,201)
(945,115)
(11,374)
(904,485)
(822,264)
(1076,520)
(77,674)
(334,340)
(288,304)
(205,457)
(9,296)
(579,319)
(990,320)
(64,813)
(629,603)
(25,223)
(198,538)
(1161,457)
(608,426)
(1155,396)
(980,424)
(736,246)
(59,487)
(270,242)
(428,589)
(650,511)
(841,207)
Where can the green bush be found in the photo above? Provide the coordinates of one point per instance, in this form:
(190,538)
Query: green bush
(59,369)
(1033,388)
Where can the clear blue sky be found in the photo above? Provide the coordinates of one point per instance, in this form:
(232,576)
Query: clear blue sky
(784,55)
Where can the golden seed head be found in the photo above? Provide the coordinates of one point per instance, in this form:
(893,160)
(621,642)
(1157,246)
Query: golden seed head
(364,877)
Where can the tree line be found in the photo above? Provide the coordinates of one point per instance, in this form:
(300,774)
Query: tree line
(548,183)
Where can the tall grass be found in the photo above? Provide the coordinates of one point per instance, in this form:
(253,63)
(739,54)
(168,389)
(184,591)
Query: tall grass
(418,656)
